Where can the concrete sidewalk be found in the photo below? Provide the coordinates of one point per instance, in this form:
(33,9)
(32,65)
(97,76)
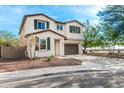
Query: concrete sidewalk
(42,71)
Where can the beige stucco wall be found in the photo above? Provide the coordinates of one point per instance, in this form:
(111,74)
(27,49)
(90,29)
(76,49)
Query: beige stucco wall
(70,35)
(22,40)
(73,37)
(30,23)
(29,27)
(46,53)
(80,48)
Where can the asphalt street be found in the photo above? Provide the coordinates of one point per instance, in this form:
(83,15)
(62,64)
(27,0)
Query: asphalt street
(86,79)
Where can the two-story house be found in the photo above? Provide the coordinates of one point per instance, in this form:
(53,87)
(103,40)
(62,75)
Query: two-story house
(43,36)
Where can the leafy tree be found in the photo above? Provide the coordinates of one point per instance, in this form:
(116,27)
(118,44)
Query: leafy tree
(90,36)
(113,15)
(7,38)
(110,36)
(112,20)
(99,41)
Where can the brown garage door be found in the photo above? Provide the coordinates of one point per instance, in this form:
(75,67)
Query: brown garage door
(71,49)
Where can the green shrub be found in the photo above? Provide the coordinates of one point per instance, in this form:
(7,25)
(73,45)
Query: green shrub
(50,58)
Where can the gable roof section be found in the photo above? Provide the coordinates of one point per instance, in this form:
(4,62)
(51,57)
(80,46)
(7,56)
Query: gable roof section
(25,17)
(75,21)
(34,33)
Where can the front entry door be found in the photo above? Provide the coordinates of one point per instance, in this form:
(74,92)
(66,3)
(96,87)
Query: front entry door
(57,48)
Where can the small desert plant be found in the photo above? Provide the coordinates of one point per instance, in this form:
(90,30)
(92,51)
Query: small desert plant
(110,53)
(50,58)
(35,58)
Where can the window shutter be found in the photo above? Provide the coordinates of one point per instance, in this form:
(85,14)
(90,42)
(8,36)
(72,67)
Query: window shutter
(48,43)
(47,25)
(79,30)
(37,39)
(61,27)
(57,27)
(70,28)
(74,29)
(35,24)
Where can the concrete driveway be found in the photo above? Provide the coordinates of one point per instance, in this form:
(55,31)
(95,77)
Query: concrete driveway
(99,63)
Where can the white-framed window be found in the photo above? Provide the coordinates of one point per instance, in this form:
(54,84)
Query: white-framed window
(75,29)
(41,25)
(41,44)
(59,27)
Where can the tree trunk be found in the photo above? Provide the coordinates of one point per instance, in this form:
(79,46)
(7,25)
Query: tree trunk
(30,51)
(114,47)
(34,53)
(84,50)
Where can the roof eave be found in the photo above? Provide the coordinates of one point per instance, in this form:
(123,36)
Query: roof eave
(24,19)
(43,32)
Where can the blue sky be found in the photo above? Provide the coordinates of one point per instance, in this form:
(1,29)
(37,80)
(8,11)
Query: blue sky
(11,16)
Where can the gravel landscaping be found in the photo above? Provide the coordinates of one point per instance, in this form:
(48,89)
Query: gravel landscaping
(14,65)
(115,55)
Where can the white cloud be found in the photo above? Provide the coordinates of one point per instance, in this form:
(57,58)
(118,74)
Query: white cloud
(95,21)
(4,19)
(94,9)
(91,13)
(86,12)
(19,10)
(7,20)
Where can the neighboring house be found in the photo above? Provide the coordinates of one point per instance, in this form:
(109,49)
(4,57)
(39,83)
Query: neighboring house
(43,36)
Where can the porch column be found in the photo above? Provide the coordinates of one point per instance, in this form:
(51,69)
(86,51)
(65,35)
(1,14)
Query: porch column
(79,49)
(52,46)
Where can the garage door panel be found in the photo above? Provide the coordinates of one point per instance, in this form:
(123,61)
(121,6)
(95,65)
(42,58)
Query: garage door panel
(71,49)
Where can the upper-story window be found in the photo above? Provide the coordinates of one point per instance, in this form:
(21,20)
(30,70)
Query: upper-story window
(74,29)
(59,27)
(41,25)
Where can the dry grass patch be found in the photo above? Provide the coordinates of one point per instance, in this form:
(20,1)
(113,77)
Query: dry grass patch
(14,65)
